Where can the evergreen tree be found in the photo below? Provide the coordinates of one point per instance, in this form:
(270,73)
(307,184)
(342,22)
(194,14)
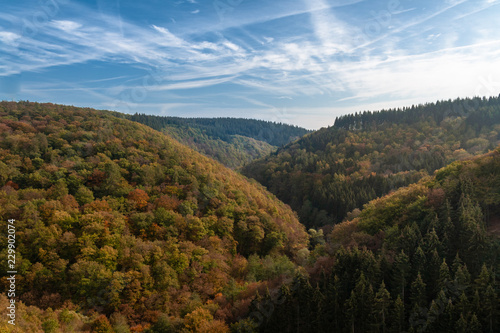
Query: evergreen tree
(444,281)
(418,294)
(382,305)
(418,261)
(401,270)
(360,305)
(461,325)
(398,315)
(474,326)
(490,308)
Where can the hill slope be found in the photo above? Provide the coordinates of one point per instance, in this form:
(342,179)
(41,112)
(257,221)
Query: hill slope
(422,259)
(123,220)
(328,173)
(231,141)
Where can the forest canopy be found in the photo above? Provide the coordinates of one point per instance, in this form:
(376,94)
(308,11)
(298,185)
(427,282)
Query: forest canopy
(116,219)
(232,141)
(334,171)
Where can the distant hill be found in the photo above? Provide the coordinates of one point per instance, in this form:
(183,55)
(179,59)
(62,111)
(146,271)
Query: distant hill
(422,259)
(231,141)
(120,225)
(331,172)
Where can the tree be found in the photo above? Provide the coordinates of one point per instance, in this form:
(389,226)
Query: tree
(444,281)
(84,195)
(382,305)
(398,315)
(418,261)
(418,295)
(139,198)
(401,270)
(163,325)
(490,308)
(360,305)
(102,325)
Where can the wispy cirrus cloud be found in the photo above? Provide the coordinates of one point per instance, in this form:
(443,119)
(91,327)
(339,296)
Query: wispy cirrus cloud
(318,53)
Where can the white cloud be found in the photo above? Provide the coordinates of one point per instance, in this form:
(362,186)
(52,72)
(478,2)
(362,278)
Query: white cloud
(190,84)
(444,74)
(327,66)
(66,25)
(334,34)
(170,38)
(231,46)
(8,37)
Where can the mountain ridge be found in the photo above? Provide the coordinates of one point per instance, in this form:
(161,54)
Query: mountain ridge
(231,141)
(329,173)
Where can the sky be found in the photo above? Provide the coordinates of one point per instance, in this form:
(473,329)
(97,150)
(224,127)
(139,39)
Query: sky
(302,62)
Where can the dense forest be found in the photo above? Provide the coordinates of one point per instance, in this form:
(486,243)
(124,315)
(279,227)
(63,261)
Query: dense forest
(231,141)
(329,174)
(119,228)
(422,259)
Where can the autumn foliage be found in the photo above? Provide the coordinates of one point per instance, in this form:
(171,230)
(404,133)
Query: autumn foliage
(134,228)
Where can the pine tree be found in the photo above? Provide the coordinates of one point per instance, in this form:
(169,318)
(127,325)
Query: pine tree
(483,280)
(444,281)
(401,270)
(398,315)
(490,306)
(461,325)
(474,325)
(471,231)
(333,315)
(432,241)
(435,317)
(432,276)
(360,305)
(457,262)
(382,305)
(284,308)
(462,307)
(461,282)
(418,295)
(418,261)
(476,303)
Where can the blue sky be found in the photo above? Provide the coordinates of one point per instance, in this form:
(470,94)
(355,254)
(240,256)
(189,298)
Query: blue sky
(297,61)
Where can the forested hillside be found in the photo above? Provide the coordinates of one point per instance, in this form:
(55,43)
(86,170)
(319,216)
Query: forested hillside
(331,172)
(120,228)
(422,259)
(231,141)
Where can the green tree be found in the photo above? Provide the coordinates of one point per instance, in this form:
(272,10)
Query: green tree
(84,195)
(382,305)
(418,295)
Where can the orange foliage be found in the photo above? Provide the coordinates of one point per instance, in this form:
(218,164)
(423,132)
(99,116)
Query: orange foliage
(97,206)
(139,197)
(69,202)
(167,202)
(12,184)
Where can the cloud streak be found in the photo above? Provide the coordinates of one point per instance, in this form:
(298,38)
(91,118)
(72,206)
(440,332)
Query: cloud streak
(315,51)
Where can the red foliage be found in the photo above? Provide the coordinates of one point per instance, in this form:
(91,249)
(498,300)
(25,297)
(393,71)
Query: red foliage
(140,198)
(435,197)
(97,177)
(167,202)
(12,184)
